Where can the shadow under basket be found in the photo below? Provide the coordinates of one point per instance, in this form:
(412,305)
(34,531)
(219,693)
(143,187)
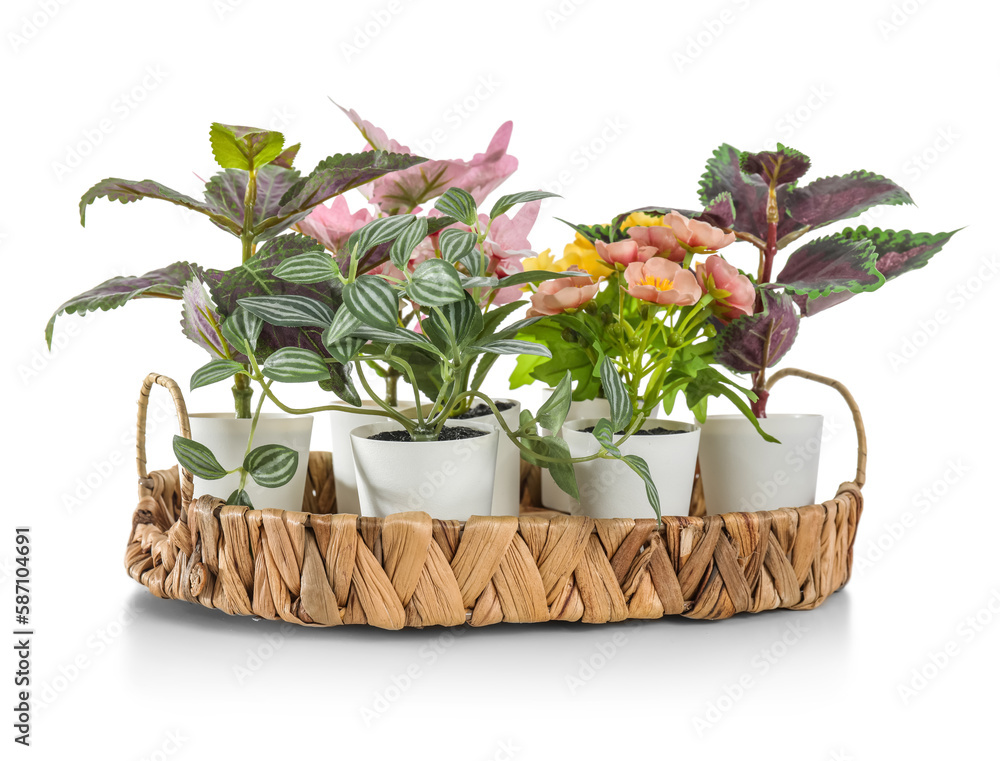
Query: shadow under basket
(319,568)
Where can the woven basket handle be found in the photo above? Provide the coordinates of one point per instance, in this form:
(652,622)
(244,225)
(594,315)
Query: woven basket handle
(859,478)
(187,480)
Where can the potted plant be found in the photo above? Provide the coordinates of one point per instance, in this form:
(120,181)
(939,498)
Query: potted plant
(256,198)
(756,198)
(455,338)
(405,192)
(641,331)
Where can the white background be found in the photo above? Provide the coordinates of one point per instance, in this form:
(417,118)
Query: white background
(615,105)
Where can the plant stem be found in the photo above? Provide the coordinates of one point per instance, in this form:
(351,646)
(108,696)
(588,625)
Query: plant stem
(253,430)
(242,395)
(249,201)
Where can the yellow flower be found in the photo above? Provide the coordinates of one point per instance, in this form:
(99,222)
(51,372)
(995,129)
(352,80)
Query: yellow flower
(641,219)
(545,262)
(582,254)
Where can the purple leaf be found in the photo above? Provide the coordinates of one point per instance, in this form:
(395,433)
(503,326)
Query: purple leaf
(897,253)
(127,191)
(831,198)
(748,192)
(197,318)
(781,166)
(830,265)
(166,283)
(224,195)
(720,211)
(753,342)
(287,156)
(255,277)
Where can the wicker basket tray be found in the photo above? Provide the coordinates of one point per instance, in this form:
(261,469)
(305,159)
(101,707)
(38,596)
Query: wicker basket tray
(318,568)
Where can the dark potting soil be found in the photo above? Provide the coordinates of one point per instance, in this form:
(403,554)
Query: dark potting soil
(658,431)
(482,409)
(451,433)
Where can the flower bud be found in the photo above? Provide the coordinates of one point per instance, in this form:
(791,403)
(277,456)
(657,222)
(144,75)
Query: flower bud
(675,339)
(569,335)
(710,330)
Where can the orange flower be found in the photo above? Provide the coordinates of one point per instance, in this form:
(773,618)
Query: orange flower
(661,281)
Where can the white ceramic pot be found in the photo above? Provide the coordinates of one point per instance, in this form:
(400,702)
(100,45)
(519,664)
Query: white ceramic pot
(451,480)
(741,472)
(507,482)
(553,497)
(226,436)
(341,425)
(610,489)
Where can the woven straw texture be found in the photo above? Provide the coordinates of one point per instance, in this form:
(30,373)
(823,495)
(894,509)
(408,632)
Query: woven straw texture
(318,568)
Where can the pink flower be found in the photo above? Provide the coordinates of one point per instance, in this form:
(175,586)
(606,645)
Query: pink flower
(661,281)
(406,190)
(733,292)
(333,225)
(506,244)
(660,238)
(556,296)
(624,252)
(695,234)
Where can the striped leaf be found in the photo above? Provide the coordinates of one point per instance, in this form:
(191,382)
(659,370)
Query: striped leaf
(344,323)
(395,336)
(435,283)
(513,346)
(408,239)
(536,276)
(562,473)
(242,326)
(459,204)
(377,232)
(373,301)
(552,413)
(215,371)
(456,244)
(307,268)
(294,365)
(461,319)
(289,311)
(636,463)
(345,349)
(271,465)
(240,497)
(198,459)
(478,282)
(605,434)
(506,203)
(618,399)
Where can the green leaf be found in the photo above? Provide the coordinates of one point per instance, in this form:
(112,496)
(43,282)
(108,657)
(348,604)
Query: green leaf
(294,365)
(240,497)
(512,346)
(506,203)
(562,473)
(408,239)
(166,283)
(215,371)
(242,326)
(286,158)
(308,268)
(373,302)
(435,283)
(289,311)
(536,276)
(604,432)
(344,323)
(552,414)
(618,398)
(396,336)
(637,464)
(456,244)
(494,318)
(345,349)
(461,319)
(459,204)
(377,232)
(244,147)
(271,465)
(197,459)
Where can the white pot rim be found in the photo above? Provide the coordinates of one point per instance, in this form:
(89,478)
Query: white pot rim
(488,413)
(364,431)
(232,416)
(778,415)
(574,426)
